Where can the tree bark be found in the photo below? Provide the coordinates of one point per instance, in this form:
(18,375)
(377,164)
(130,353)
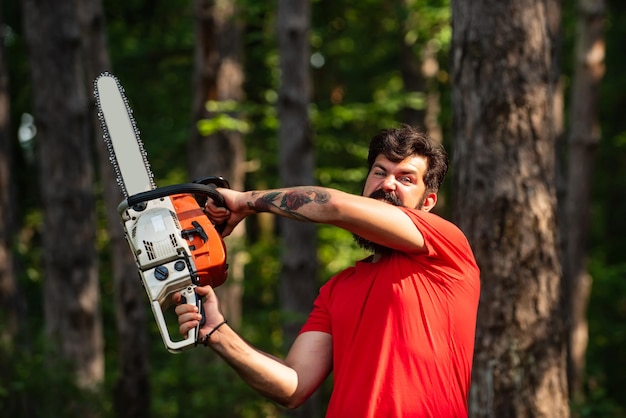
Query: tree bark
(131,397)
(298,276)
(71,293)
(218,79)
(583,142)
(505,201)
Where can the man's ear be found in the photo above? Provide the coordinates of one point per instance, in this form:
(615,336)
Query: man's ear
(429,202)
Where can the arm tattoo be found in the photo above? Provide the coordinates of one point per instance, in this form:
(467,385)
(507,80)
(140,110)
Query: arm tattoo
(289,201)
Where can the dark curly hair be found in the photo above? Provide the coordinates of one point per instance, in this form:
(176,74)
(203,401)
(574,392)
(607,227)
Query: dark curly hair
(399,143)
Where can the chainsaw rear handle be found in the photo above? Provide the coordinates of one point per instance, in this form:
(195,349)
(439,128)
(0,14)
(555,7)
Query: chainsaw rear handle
(188,295)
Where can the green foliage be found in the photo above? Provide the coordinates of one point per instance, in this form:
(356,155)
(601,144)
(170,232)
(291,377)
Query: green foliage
(37,382)
(337,250)
(151,48)
(606,357)
(221,120)
(197,383)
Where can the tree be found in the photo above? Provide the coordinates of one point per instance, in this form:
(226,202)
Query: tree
(132,387)
(62,114)
(505,201)
(584,137)
(216,146)
(419,66)
(298,275)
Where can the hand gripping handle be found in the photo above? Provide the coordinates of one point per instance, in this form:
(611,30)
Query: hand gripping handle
(191,339)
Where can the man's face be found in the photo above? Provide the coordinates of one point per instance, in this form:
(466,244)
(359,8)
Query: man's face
(401,183)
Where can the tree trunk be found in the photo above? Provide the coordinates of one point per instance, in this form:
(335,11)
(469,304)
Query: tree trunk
(410,66)
(298,276)
(132,388)
(8,282)
(71,293)
(583,141)
(218,79)
(419,68)
(504,200)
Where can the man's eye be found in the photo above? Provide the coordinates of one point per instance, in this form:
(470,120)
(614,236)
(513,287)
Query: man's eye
(406,180)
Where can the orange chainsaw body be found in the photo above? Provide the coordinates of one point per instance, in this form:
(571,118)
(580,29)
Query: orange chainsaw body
(205,243)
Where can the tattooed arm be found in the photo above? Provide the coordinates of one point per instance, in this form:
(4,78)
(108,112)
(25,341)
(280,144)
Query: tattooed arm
(292,203)
(371,219)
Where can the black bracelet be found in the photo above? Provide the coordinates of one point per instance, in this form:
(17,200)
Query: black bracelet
(205,340)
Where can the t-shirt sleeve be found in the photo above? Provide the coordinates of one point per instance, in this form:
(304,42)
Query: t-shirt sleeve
(444,241)
(319,319)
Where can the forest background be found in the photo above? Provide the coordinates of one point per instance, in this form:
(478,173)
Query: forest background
(356,88)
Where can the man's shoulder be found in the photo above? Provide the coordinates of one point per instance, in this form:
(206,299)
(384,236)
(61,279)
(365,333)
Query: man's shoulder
(434,220)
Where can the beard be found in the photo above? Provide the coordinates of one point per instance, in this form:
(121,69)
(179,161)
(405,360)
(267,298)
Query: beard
(392,199)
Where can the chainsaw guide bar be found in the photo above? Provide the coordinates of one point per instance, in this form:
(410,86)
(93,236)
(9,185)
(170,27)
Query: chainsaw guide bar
(126,151)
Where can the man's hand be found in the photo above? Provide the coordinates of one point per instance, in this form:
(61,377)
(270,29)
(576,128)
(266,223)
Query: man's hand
(289,382)
(189,317)
(232,215)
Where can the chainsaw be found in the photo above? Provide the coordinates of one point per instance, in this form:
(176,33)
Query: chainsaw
(175,245)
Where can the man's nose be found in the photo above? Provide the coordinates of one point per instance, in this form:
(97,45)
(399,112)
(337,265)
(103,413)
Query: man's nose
(389,183)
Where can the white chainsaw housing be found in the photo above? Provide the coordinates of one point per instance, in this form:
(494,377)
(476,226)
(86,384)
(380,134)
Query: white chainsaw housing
(164,260)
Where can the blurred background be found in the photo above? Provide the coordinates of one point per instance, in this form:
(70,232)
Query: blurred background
(266,94)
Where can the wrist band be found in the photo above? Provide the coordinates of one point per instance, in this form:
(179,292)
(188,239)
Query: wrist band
(205,340)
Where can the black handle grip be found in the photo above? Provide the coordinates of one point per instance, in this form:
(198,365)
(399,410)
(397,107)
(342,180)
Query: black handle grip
(211,181)
(204,190)
(218,181)
(194,188)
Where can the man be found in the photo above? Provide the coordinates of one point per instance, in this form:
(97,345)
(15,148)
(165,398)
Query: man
(397,329)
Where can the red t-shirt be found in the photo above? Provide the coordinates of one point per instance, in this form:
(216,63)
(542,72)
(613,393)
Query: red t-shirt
(403,328)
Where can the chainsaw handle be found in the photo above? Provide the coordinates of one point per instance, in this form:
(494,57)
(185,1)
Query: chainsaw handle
(208,190)
(204,190)
(191,339)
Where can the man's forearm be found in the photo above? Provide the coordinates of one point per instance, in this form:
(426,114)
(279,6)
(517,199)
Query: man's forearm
(268,375)
(305,203)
